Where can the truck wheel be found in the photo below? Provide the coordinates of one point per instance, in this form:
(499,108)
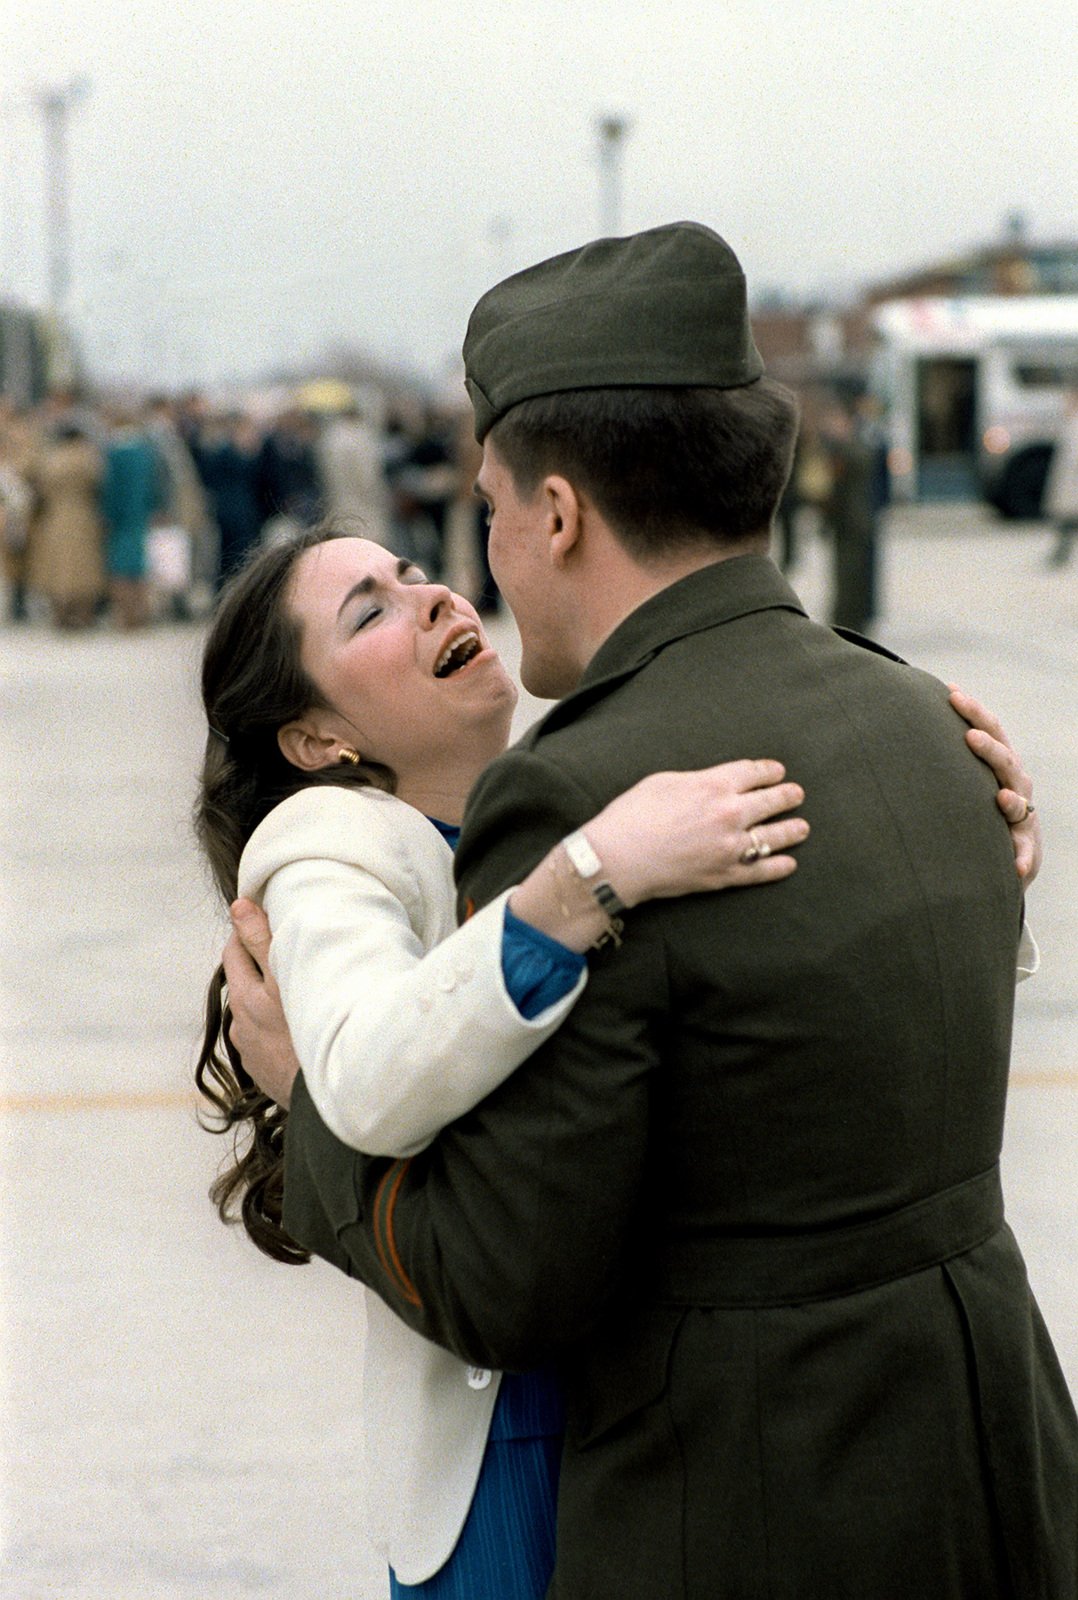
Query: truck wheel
(1022,489)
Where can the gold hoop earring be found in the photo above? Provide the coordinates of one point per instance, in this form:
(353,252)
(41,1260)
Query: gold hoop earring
(346,753)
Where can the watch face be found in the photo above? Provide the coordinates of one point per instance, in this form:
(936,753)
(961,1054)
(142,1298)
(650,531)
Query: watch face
(582,855)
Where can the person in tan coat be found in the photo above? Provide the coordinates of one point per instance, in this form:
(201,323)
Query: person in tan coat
(65,557)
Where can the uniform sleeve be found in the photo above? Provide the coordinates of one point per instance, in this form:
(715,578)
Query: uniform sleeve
(396,1042)
(505,1239)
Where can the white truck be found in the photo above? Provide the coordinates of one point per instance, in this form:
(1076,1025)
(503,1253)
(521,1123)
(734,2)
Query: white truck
(974,390)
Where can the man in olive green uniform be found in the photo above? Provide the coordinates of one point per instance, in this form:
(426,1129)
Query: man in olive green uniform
(748,1196)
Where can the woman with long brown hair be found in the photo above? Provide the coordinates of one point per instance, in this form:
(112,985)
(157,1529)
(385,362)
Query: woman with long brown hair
(350,705)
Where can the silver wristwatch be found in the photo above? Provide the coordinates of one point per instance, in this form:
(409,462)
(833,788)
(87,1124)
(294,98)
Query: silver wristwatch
(586,865)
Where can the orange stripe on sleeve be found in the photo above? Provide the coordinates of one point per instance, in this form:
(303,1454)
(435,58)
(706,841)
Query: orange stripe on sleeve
(385,1201)
(408,1288)
(378,1244)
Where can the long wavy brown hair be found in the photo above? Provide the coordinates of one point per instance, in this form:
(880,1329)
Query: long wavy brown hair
(253,683)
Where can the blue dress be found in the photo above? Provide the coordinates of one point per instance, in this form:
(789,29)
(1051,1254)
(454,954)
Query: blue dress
(506,1547)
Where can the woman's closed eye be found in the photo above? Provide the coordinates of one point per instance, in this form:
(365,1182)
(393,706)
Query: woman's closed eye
(409,576)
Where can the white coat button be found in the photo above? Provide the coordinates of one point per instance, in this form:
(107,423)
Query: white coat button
(465,974)
(425,1002)
(479,1377)
(447,982)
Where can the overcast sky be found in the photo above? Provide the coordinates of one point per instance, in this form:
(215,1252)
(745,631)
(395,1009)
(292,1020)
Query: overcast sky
(250,181)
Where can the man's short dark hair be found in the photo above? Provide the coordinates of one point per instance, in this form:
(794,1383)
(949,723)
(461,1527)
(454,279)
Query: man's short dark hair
(667,468)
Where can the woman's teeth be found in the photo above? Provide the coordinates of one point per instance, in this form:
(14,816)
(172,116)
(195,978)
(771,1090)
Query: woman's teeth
(457,654)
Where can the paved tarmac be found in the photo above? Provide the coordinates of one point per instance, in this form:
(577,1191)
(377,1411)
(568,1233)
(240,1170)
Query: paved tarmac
(180,1413)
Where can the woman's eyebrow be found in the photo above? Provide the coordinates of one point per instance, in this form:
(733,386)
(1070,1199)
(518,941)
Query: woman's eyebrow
(370,583)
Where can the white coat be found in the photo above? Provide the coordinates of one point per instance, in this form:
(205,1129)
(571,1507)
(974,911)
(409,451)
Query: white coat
(401,1022)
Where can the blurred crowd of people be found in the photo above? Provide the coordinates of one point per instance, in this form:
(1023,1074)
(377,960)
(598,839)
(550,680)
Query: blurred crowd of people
(123,514)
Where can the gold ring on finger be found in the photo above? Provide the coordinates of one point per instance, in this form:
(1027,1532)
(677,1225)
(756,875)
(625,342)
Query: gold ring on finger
(757,849)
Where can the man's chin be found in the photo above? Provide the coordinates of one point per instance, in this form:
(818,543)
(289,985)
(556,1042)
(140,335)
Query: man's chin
(548,680)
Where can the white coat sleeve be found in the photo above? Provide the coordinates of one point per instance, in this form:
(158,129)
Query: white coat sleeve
(395,1041)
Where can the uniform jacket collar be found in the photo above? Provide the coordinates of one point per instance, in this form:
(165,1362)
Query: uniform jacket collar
(714,595)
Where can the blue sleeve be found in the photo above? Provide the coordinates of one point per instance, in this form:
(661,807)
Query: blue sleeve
(537,969)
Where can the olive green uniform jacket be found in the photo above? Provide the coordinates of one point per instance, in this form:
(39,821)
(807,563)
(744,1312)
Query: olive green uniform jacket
(748,1195)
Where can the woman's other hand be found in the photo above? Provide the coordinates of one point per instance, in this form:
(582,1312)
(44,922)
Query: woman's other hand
(721,827)
(987,740)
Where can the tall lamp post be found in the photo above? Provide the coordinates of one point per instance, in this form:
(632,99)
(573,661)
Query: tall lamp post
(56,104)
(612,130)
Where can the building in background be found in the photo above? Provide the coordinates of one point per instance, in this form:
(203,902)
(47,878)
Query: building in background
(37,355)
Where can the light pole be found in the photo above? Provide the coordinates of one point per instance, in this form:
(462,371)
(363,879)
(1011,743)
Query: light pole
(612,130)
(55,104)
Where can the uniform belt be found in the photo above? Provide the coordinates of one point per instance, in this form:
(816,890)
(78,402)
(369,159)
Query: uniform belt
(784,1269)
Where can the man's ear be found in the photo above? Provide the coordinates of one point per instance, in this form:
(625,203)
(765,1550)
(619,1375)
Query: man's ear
(306,748)
(565,511)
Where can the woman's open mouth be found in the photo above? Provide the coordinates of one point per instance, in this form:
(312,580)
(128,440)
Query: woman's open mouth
(457,653)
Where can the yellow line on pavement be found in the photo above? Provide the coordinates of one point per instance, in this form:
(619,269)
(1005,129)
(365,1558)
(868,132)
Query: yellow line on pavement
(180,1099)
(117,1100)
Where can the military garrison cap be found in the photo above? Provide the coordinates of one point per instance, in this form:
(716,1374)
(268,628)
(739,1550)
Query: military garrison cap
(662,308)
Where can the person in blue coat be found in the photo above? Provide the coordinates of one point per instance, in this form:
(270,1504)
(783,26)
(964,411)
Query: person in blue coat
(133,490)
(228,461)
